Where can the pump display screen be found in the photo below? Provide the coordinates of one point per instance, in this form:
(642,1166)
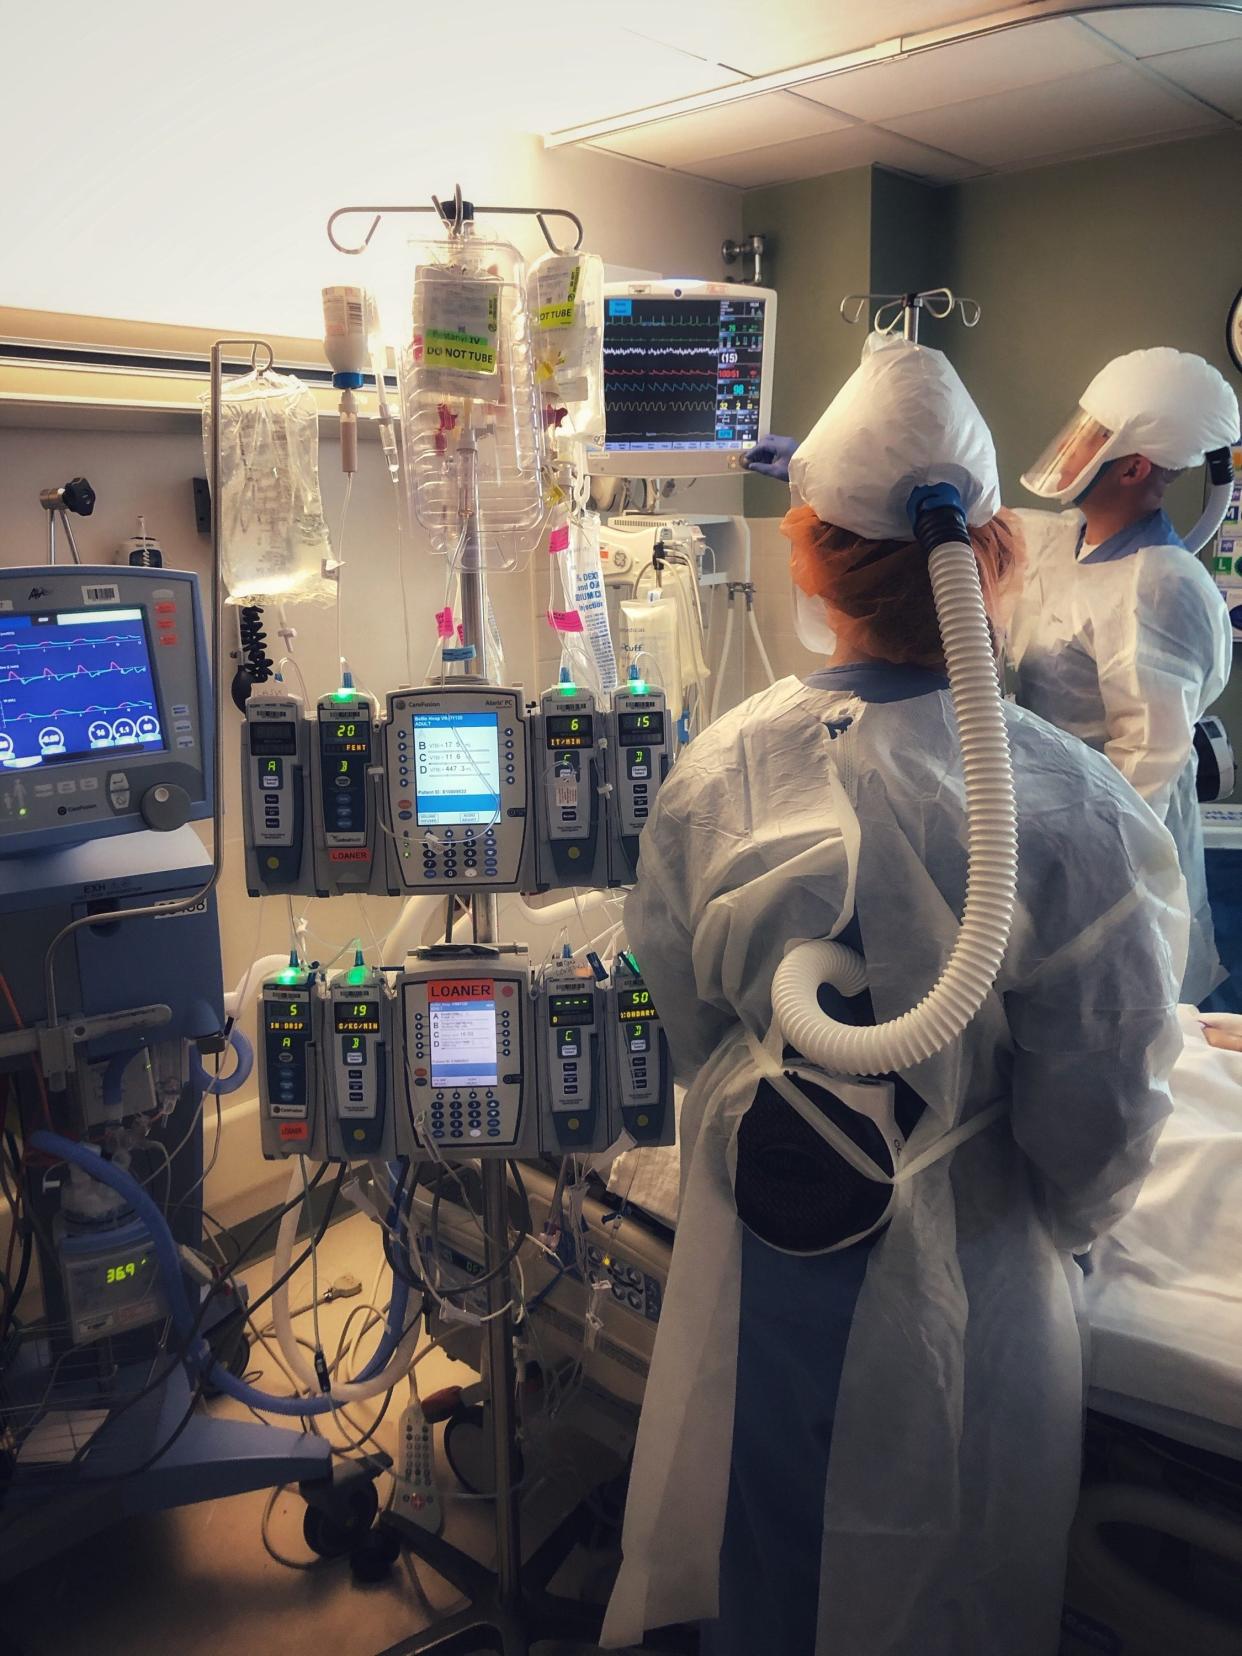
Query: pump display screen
(682,373)
(576,1010)
(345,752)
(457,760)
(360,1017)
(345,736)
(634,1005)
(286,1018)
(75,683)
(462,1017)
(636,729)
(569,730)
(273,736)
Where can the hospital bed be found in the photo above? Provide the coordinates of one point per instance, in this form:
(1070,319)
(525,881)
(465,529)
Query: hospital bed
(1156,1552)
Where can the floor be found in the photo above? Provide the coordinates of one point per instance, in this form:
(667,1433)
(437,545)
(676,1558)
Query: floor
(197,1581)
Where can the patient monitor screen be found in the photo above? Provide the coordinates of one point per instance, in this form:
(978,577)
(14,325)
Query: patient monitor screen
(457,768)
(74,683)
(682,373)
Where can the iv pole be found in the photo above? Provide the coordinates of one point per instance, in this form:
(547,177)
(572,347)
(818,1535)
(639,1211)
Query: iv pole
(510,1608)
(939,303)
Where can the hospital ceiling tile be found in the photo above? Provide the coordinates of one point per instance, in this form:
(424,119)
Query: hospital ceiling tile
(770,119)
(1147,32)
(779,34)
(830,152)
(1213,73)
(1083,114)
(992,63)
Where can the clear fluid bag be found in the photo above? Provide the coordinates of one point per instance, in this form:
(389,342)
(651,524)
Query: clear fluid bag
(470,414)
(274,539)
(565,298)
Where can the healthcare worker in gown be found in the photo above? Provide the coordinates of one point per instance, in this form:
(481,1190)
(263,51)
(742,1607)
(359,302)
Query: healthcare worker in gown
(874,1451)
(1119,634)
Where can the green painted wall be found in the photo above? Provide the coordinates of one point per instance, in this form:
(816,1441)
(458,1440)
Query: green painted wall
(820,233)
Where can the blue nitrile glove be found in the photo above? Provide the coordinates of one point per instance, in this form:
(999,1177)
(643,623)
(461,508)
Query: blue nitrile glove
(771,456)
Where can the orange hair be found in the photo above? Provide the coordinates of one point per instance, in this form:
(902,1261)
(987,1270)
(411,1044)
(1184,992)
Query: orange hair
(879,592)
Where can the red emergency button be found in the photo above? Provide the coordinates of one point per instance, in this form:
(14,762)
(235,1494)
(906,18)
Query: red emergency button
(166,625)
(421,1073)
(166,609)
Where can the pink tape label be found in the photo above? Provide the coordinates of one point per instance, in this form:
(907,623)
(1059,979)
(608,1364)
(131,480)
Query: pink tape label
(565,621)
(558,540)
(444,623)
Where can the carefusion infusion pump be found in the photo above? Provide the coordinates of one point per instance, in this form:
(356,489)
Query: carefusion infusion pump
(275,745)
(344,781)
(469,1070)
(462,787)
(325,1065)
(355,1042)
(461,1054)
(458,789)
(687,377)
(105,707)
(642,1071)
(569,740)
(640,747)
(571,1011)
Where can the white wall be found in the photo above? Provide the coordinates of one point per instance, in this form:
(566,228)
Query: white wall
(635,216)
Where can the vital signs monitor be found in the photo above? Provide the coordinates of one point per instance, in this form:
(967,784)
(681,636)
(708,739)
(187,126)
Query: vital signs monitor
(687,377)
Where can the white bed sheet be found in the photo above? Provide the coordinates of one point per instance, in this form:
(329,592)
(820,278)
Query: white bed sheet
(1164,1295)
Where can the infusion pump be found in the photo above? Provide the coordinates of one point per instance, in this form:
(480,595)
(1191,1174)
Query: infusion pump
(461,787)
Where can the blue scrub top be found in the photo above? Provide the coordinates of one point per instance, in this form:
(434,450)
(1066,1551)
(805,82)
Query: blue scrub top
(1153,530)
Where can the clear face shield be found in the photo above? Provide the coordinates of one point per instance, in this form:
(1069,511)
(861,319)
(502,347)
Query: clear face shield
(1071,461)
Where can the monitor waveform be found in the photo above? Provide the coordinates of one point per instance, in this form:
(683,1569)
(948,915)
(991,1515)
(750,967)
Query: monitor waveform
(80,712)
(71,643)
(49,676)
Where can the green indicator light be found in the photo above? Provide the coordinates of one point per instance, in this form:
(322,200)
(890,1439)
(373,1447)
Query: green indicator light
(356,974)
(637,686)
(21,810)
(342,695)
(568,689)
(289,975)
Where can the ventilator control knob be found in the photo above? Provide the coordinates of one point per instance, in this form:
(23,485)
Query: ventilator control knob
(165,807)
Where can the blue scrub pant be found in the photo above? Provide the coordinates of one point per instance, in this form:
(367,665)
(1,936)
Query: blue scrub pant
(794,1322)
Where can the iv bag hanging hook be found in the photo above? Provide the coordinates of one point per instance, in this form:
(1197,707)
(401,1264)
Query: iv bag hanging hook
(452,218)
(892,308)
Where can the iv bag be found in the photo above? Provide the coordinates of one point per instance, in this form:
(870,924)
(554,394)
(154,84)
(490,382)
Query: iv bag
(648,641)
(470,413)
(586,647)
(273,536)
(566,303)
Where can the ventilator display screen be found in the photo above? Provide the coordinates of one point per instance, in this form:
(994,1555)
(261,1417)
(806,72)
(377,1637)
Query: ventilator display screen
(457,768)
(576,1009)
(569,730)
(637,729)
(682,373)
(75,683)
(462,1019)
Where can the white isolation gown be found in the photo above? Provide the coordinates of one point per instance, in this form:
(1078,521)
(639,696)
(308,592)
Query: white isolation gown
(1126,648)
(955,1395)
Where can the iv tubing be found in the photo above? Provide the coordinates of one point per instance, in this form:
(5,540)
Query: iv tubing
(992,839)
(198,1357)
(385,1369)
(763,654)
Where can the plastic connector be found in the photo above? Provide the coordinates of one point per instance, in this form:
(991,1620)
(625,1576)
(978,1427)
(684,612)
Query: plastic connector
(936,516)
